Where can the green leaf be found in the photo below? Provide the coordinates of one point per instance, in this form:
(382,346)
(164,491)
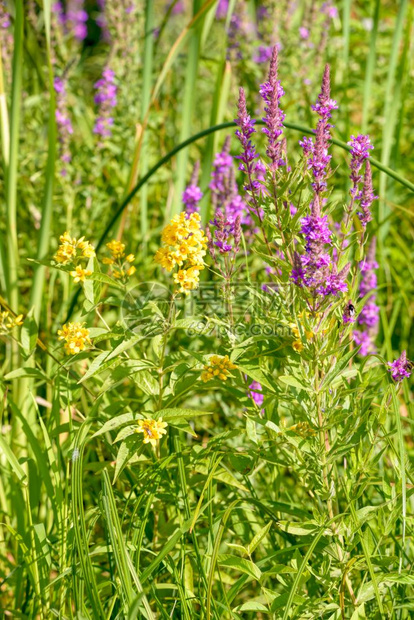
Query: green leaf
(176,412)
(257,374)
(115,423)
(257,539)
(27,371)
(128,448)
(29,334)
(252,606)
(293,382)
(240,564)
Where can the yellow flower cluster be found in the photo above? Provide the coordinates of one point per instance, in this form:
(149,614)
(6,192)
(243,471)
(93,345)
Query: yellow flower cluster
(152,429)
(123,266)
(8,322)
(69,248)
(184,244)
(218,368)
(76,337)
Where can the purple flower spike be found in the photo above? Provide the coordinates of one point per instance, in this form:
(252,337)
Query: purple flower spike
(367,197)
(363,340)
(106,99)
(63,122)
(317,152)
(249,155)
(224,229)
(360,147)
(224,191)
(307,146)
(400,368)
(192,193)
(246,125)
(369,316)
(325,105)
(271,92)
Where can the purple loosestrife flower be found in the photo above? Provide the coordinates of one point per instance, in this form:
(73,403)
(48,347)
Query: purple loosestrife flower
(224,230)
(366,197)
(263,54)
(224,191)
(271,92)
(245,131)
(360,147)
(400,368)
(74,19)
(319,159)
(363,340)
(315,268)
(249,155)
(317,152)
(330,10)
(192,193)
(255,393)
(307,146)
(63,121)
(222,8)
(325,105)
(312,268)
(368,318)
(106,99)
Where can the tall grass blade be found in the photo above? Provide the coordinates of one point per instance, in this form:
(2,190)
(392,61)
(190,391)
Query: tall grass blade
(370,66)
(11,177)
(188,105)
(389,115)
(36,293)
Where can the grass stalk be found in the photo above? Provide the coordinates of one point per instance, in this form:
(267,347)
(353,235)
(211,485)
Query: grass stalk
(188,103)
(11,176)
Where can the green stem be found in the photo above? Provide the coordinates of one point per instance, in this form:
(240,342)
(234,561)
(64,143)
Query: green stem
(11,179)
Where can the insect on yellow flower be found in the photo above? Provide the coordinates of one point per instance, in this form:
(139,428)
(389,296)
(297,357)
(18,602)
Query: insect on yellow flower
(76,337)
(79,274)
(153,430)
(218,368)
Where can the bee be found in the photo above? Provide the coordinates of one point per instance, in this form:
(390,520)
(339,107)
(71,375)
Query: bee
(351,309)
(409,365)
(349,313)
